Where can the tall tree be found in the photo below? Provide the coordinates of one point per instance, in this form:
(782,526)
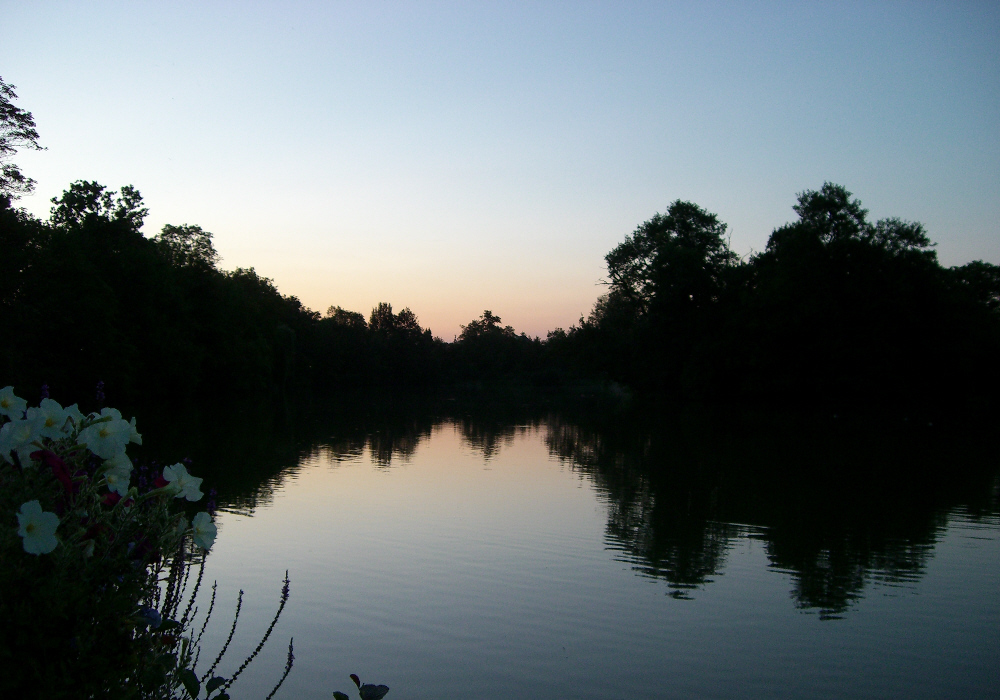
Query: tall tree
(88,201)
(665,281)
(17,131)
(187,245)
(382,319)
(674,259)
(488,325)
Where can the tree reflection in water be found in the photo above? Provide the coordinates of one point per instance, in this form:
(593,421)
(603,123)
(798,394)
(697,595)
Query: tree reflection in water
(836,508)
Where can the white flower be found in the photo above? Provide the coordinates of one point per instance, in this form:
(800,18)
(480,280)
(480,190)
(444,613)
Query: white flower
(134,435)
(118,472)
(10,405)
(182,484)
(115,414)
(38,528)
(74,414)
(106,438)
(19,436)
(204,530)
(51,417)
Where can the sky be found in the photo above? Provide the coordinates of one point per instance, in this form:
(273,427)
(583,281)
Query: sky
(457,157)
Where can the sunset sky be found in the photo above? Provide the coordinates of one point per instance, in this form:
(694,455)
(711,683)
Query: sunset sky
(456,157)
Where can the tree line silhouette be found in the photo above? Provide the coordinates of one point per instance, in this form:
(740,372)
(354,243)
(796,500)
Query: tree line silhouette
(86,297)
(836,313)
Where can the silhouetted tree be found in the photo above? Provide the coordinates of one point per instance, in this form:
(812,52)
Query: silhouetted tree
(88,201)
(486,326)
(17,131)
(406,321)
(980,281)
(488,350)
(665,280)
(671,262)
(187,245)
(836,312)
(382,319)
(343,317)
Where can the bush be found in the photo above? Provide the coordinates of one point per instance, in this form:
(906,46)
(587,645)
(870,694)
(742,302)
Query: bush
(95,556)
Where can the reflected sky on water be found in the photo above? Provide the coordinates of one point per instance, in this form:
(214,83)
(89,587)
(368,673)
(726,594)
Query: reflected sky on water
(453,556)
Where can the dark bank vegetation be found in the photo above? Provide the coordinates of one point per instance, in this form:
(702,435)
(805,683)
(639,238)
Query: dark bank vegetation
(89,298)
(837,313)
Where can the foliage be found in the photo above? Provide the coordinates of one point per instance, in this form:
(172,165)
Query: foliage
(95,541)
(366,691)
(87,201)
(837,312)
(488,350)
(187,246)
(152,317)
(486,326)
(17,130)
(672,260)
(343,317)
(95,593)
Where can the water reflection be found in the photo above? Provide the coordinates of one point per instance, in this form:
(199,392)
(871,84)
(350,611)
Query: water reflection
(838,510)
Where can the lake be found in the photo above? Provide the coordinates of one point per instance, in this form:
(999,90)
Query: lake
(535,554)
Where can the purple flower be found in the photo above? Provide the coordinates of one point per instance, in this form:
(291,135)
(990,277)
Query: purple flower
(151,617)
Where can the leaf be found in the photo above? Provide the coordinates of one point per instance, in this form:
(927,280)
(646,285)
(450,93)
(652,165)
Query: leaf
(154,676)
(373,692)
(221,696)
(168,625)
(190,681)
(340,696)
(167,661)
(214,683)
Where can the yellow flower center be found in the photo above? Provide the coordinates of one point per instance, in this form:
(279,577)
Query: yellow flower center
(29,528)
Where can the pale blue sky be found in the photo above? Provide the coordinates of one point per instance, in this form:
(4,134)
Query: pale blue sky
(453,157)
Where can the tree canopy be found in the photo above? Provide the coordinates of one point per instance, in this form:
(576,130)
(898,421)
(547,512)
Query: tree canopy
(17,131)
(836,312)
(674,258)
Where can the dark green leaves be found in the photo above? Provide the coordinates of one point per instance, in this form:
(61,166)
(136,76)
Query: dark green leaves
(190,681)
(214,683)
(367,691)
(373,692)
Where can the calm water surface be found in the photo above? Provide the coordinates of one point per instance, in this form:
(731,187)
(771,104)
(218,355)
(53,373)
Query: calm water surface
(535,560)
